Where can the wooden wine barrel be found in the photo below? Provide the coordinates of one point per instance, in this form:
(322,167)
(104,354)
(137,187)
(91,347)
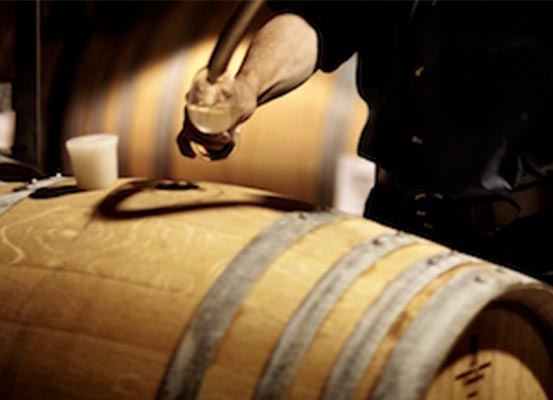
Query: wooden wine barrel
(134,85)
(214,291)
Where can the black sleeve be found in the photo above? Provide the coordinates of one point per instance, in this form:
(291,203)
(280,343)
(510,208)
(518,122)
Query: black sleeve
(340,26)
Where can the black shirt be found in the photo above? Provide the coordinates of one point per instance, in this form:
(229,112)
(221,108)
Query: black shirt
(461,93)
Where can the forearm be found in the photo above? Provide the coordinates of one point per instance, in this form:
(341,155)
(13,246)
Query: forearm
(282,55)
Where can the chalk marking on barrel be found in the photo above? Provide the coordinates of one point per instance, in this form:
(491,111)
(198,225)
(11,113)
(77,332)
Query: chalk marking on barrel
(378,319)
(307,319)
(466,374)
(485,365)
(213,316)
(437,327)
(476,372)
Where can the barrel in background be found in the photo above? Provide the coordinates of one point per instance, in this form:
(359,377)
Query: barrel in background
(134,84)
(100,290)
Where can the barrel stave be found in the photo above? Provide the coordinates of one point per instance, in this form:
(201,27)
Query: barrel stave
(129,284)
(345,315)
(97,289)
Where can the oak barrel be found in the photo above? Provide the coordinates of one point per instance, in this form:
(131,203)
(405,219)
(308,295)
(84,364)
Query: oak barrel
(134,85)
(177,290)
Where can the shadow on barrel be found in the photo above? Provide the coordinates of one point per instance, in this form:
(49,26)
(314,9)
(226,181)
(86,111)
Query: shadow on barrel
(110,208)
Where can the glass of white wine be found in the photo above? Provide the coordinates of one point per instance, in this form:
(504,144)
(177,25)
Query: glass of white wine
(212,108)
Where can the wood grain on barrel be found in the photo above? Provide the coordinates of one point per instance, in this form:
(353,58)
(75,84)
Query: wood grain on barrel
(304,324)
(271,304)
(211,320)
(93,301)
(436,328)
(329,340)
(372,373)
(361,346)
(85,282)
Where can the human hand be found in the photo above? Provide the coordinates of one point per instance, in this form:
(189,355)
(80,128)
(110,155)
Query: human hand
(213,115)
(192,142)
